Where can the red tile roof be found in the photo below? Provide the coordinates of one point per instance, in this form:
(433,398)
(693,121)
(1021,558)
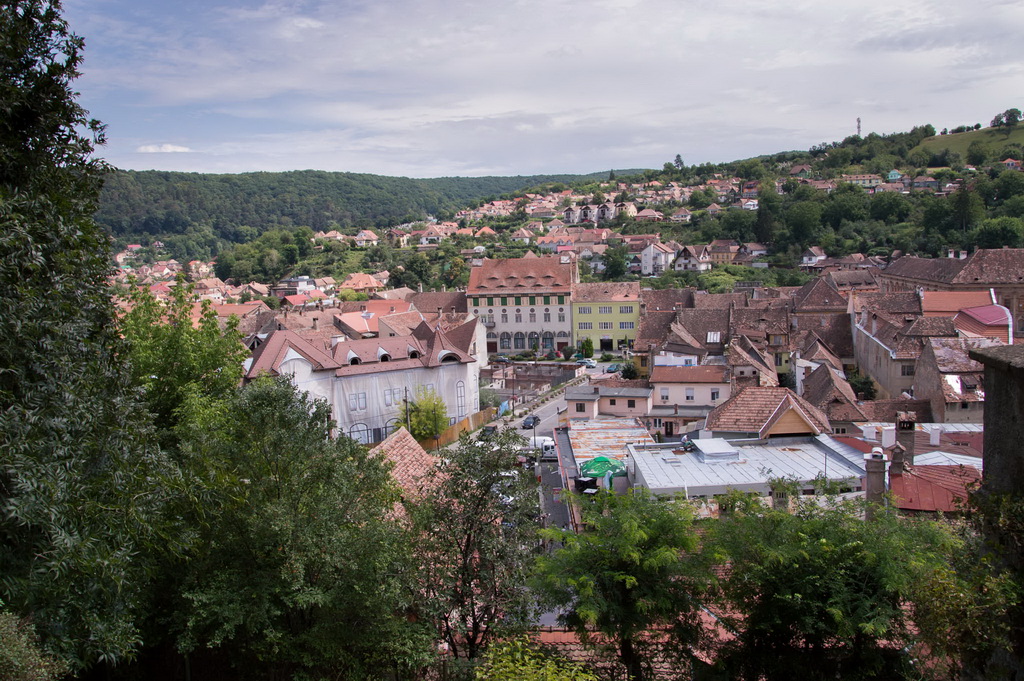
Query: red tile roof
(933,488)
(411,464)
(756,409)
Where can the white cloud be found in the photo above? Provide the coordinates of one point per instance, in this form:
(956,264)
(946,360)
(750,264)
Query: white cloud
(162,149)
(446,86)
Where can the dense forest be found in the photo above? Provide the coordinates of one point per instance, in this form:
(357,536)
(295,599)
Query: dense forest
(196,212)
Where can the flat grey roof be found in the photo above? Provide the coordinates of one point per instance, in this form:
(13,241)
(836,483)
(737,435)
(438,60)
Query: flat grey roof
(668,470)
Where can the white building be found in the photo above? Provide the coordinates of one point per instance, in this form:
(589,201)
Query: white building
(366,381)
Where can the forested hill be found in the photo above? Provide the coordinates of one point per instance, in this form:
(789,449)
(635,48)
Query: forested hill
(238,208)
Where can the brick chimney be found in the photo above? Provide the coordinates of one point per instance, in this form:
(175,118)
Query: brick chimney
(874,480)
(906,424)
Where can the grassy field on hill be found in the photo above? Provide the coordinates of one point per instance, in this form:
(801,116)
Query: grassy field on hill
(994,140)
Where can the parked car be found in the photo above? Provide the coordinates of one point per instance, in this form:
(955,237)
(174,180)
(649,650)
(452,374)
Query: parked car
(531,421)
(614,368)
(489,430)
(587,362)
(501,360)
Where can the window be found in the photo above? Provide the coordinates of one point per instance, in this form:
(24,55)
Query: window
(504,317)
(612,401)
(533,300)
(657,423)
(625,309)
(643,361)
(630,404)
(778,360)
(714,337)
(533,317)
(519,341)
(580,407)
(626,325)
(906,370)
(561,300)
(357,402)
(584,309)
(664,394)
(505,342)
(586,326)
(490,301)
(964,405)
(393,396)
(561,316)
(519,301)
(689,394)
(460,398)
(519,316)
(547,300)
(777,339)
(605,325)
(504,301)
(714,394)
(604,309)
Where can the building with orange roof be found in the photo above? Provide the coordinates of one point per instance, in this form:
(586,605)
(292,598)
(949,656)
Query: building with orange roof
(524,302)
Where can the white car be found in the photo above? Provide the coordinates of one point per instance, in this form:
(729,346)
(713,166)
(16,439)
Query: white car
(587,362)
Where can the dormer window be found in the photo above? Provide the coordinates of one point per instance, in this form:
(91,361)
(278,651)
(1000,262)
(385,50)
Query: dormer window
(714,337)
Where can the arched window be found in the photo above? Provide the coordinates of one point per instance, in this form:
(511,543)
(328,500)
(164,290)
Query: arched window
(360,433)
(460,398)
(519,341)
(505,341)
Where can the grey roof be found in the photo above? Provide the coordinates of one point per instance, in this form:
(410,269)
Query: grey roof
(666,470)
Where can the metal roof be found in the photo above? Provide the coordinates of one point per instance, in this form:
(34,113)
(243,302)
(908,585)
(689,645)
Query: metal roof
(667,469)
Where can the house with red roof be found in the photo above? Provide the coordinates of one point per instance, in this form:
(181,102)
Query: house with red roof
(366,381)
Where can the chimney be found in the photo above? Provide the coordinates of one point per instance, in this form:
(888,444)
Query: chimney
(906,423)
(362,308)
(934,437)
(898,460)
(888,436)
(439,310)
(963,255)
(950,253)
(316,323)
(392,309)
(453,309)
(874,480)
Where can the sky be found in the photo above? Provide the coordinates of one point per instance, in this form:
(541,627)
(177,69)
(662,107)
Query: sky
(432,88)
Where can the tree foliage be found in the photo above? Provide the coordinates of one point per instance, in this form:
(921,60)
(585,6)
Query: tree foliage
(80,477)
(173,357)
(296,570)
(473,533)
(818,591)
(520,660)
(626,576)
(425,414)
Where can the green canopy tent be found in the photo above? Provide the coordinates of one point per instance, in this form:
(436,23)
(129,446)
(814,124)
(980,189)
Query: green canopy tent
(600,466)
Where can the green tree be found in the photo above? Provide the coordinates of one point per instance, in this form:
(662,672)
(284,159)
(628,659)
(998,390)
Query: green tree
(629,371)
(614,259)
(627,574)
(587,347)
(819,592)
(173,357)
(81,482)
(295,572)
(520,660)
(21,658)
(473,533)
(977,153)
(426,414)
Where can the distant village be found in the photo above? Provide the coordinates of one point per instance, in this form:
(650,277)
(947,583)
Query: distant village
(869,347)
